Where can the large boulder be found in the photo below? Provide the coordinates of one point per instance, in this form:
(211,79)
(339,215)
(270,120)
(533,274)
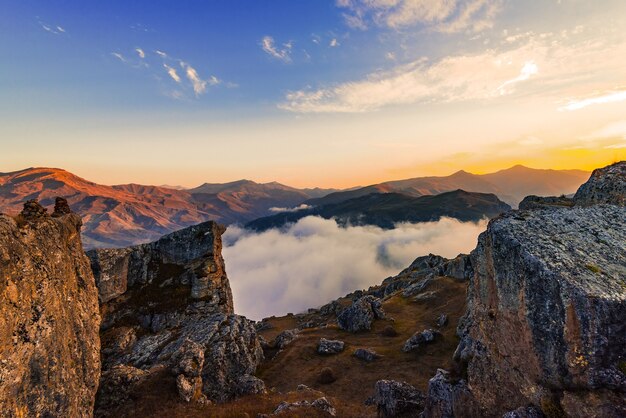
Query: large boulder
(361,314)
(448,398)
(394,398)
(168,305)
(49,319)
(606,185)
(546,307)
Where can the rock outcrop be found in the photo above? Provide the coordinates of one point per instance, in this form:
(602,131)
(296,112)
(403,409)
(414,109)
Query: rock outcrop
(545,324)
(329,347)
(49,320)
(606,185)
(360,315)
(395,398)
(168,305)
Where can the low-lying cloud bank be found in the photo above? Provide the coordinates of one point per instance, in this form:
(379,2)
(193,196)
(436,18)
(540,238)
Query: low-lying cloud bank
(315,261)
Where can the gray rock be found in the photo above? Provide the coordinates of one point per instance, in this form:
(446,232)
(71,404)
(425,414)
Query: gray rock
(320,404)
(448,398)
(175,297)
(393,398)
(190,257)
(537,202)
(425,297)
(525,412)
(366,354)
(332,308)
(442,320)
(330,346)
(115,387)
(606,185)
(285,338)
(548,301)
(360,315)
(420,339)
(417,287)
(49,317)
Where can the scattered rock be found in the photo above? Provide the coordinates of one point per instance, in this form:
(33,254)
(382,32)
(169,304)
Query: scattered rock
(360,315)
(425,297)
(366,354)
(49,318)
(332,308)
(320,404)
(420,339)
(330,346)
(285,338)
(442,320)
(418,287)
(393,398)
(303,388)
(115,387)
(525,412)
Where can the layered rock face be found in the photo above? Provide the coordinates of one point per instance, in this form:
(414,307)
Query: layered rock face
(49,320)
(167,309)
(546,319)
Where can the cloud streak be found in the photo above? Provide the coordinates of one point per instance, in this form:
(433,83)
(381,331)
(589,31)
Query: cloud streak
(172,73)
(269,47)
(315,261)
(446,16)
(618,96)
(493,73)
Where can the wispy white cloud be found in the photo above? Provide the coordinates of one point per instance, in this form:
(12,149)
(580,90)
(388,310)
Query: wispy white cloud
(140,52)
(617,96)
(284,54)
(439,15)
(161,53)
(333,43)
(172,73)
(199,85)
(612,130)
(118,56)
(495,72)
(528,70)
(54,29)
(297,208)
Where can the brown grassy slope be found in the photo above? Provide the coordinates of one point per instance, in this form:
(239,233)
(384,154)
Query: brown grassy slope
(299,363)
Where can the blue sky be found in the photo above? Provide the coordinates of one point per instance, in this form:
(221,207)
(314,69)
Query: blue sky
(332,93)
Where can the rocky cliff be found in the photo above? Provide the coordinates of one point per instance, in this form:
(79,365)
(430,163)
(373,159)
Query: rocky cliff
(168,317)
(546,318)
(49,344)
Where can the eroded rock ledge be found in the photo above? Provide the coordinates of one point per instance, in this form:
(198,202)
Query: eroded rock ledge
(546,318)
(49,321)
(168,311)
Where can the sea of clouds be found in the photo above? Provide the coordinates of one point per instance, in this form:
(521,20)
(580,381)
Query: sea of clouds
(314,261)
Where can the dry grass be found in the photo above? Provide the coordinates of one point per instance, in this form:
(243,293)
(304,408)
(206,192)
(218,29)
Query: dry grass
(299,363)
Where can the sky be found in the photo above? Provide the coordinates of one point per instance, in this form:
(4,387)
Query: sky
(330,93)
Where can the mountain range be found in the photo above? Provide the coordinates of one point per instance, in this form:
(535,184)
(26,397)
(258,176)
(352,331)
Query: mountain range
(129,214)
(387,209)
(510,185)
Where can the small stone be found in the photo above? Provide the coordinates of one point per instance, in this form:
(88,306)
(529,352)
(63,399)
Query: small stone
(285,338)
(61,207)
(419,339)
(330,346)
(366,354)
(442,321)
